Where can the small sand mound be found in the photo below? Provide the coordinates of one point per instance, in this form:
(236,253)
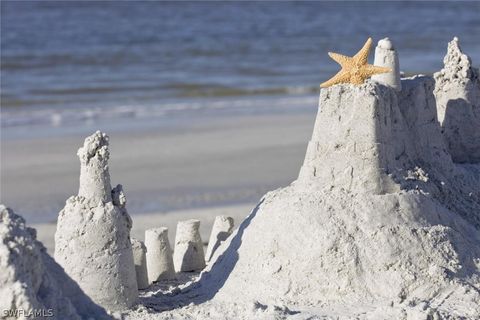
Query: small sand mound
(32,284)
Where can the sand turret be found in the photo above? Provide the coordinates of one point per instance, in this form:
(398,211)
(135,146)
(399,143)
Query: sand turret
(139,259)
(159,255)
(92,242)
(387,56)
(94,175)
(457,88)
(222,228)
(188,254)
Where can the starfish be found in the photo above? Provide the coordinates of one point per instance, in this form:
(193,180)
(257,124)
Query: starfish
(355,69)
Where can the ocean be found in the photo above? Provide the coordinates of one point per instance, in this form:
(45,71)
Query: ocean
(68,63)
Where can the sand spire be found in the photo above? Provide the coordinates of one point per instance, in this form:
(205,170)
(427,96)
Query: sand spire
(94,175)
(457,88)
(92,242)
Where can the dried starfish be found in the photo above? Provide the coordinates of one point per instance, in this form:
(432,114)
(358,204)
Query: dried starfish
(355,69)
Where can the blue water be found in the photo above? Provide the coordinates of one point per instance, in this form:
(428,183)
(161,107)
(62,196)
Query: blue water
(74,61)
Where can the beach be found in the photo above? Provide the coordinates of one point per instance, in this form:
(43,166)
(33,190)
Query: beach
(223,163)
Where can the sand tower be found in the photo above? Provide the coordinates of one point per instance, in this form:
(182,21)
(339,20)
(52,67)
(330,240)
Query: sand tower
(387,56)
(457,90)
(92,242)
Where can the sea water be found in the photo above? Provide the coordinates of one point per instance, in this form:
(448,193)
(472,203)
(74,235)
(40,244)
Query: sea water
(68,64)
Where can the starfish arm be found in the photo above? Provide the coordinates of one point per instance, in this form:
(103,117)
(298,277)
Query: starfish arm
(370,70)
(362,56)
(340,58)
(340,77)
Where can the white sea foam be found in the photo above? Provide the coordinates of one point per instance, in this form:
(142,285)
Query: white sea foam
(57,117)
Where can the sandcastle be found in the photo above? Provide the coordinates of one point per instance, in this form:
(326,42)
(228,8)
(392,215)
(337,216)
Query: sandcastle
(159,255)
(188,254)
(92,242)
(383,221)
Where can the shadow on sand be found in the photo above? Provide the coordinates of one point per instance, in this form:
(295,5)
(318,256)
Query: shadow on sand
(210,282)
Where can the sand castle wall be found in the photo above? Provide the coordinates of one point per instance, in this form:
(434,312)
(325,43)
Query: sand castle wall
(367,136)
(351,135)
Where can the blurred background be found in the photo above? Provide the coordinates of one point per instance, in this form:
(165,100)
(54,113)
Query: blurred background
(206,104)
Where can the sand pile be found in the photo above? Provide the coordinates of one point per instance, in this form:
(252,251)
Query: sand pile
(381,223)
(32,284)
(92,242)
